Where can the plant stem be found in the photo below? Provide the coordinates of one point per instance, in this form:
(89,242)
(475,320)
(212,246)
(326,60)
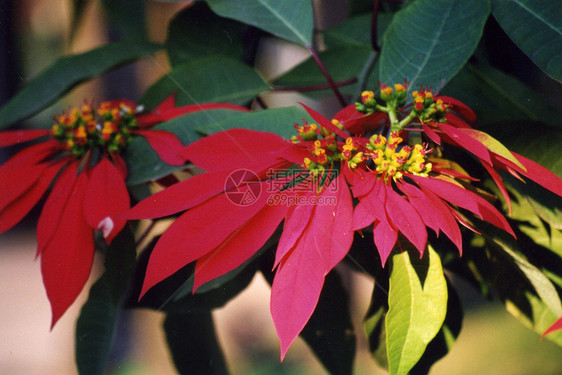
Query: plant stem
(364,74)
(333,86)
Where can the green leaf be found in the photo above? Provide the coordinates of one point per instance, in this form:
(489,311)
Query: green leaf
(496,96)
(143,164)
(443,342)
(536,27)
(356,31)
(343,63)
(67,72)
(329,331)
(128,16)
(541,284)
(214,78)
(95,328)
(422,43)
(197,32)
(276,120)
(193,343)
(291,20)
(374,322)
(417,300)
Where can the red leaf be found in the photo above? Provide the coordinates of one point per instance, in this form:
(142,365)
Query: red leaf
(67,258)
(461,138)
(295,290)
(406,219)
(16,210)
(540,175)
(233,149)
(27,157)
(19,181)
(106,197)
(499,183)
(435,213)
(12,137)
(465,199)
(324,122)
(359,123)
(240,246)
(385,237)
(297,220)
(331,224)
(431,134)
(459,107)
(55,205)
(166,112)
(196,233)
(180,197)
(166,145)
(556,326)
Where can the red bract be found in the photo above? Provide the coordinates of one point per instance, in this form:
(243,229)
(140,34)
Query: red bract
(220,233)
(87,193)
(556,326)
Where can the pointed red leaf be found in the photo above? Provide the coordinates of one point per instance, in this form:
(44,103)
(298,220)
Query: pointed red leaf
(19,181)
(362,182)
(384,236)
(166,145)
(297,220)
(556,326)
(540,175)
(28,156)
(67,259)
(180,196)
(459,107)
(465,199)
(18,209)
(324,122)
(331,223)
(435,213)
(239,246)
(233,149)
(406,219)
(431,134)
(464,140)
(359,123)
(55,205)
(456,121)
(196,233)
(106,197)
(295,290)
(12,137)
(499,183)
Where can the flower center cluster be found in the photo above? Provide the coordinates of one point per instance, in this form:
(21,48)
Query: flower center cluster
(392,161)
(86,128)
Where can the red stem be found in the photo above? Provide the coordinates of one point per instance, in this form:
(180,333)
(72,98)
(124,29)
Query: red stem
(328,76)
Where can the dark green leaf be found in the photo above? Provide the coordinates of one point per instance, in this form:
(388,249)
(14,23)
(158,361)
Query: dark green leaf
(496,96)
(329,331)
(214,78)
(67,72)
(197,32)
(193,343)
(291,20)
(374,322)
(343,63)
(143,163)
(422,43)
(536,27)
(95,328)
(356,31)
(417,300)
(276,120)
(128,16)
(78,8)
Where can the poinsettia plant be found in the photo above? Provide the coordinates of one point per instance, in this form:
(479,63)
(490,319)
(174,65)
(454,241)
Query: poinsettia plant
(432,164)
